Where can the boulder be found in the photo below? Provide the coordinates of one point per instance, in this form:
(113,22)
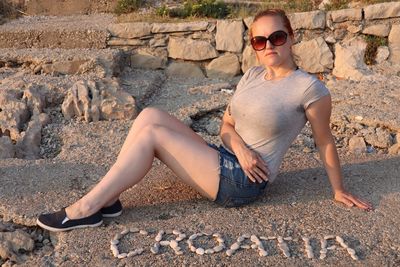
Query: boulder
(249,58)
(7,149)
(313,56)
(382,11)
(382,54)
(130,30)
(226,66)
(147,58)
(346,14)
(12,243)
(349,59)
(98,100)
(381,30)
(184,69)
(394,44)
(179,27)
(357,145)
(381,138)
(308,20)
(188,49)
(229,36)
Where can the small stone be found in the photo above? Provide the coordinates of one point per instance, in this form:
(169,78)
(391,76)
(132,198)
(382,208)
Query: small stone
(164,243)
(240,239)
(245,246)
(114,242)
(354,257)
(182,236)
(246,236)
(122,255)
(253,238)
(114,250)
(176,232)
(262,253)
(323,251)
(322,256)
(339,239)
(220,240)
(154,250)
(143,232)
(209,251)
(218,248)
(179,253)
(134,230)
(131,254)
(125,231)
(229,252)
(200,251)
(173,244)
(289,238)
(324,243)
(280,239)
(331,247)
(254,246)
(271,237)
(192,248)
(179,238)
(216,235)
(117,236)
(138,251)
(358,118)
(263,238)
(158,238)
(329,237)
(351,251)
(235,246)
(193,237)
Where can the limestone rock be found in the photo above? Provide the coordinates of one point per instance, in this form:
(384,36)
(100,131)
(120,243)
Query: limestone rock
(11,243)
(213,126)
(101,100)
(381,138)
(130,30)
(188,49)
(229,36)
(115,41)
(349,59)
(394,149)
(382,54)
(314,55)
(346,14)
(354,29)
(249,58)
(7,149)
(179,27)
(29,144)
(65,67)
(382,11)
(146,58)
(394,44)
(35,99)
(308,20)
(226,66)
(357,145)
(184,70)
(381,30)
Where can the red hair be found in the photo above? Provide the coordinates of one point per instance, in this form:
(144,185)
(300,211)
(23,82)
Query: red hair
(270,13)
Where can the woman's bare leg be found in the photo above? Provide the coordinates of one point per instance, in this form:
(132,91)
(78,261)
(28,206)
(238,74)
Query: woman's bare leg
(149,116)
(192,161)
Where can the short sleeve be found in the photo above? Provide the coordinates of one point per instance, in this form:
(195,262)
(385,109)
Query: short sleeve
(313,93)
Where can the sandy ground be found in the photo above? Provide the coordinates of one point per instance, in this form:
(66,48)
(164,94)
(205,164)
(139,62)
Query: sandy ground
(76,155)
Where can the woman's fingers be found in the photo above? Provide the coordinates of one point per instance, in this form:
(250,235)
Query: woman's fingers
(359,203)
(351,201)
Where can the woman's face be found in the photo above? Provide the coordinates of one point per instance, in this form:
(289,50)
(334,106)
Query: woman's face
(272,56)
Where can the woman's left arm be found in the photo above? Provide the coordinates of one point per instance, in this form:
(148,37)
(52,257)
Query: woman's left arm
(318,114)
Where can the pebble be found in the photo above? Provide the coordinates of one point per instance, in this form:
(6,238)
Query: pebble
(173,244)
(131,254)
(254,238)
(193,237)
(280,239)
(138,251)
(114,242)
(143,232)
(164,243)
(182,236)
(322,256)
(245,246)
(271,237)
(235,246)
(122,256)
(176,232)
(125,231)
(220,240)
(218,248)
(200,251)
(154,250)
(229,252)
(354,257)
(134,230)
(217,235)
(339,239)
(331,247)
(158,238)
(209,251)
(284,248)
(179,253)
(114,250)
(192,248)
(329,237)
(117,236)
(246,235)
(289,238)
(324,243)
(254,246)
(262,253)
(351,251)
(240,239)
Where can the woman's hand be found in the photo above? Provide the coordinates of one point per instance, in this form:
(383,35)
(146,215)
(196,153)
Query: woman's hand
(351,200)
(252,164)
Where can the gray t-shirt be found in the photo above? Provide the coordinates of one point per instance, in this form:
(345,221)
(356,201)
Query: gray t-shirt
(269,115)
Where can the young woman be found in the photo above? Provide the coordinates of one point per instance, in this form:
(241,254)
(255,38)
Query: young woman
(268,110)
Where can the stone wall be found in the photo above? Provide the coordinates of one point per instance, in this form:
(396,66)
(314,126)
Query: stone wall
(325,42)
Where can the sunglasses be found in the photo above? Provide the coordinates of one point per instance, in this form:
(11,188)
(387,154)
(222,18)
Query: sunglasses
(277,38)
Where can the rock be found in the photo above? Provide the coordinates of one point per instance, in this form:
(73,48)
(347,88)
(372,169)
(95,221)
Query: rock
(349,59)
(248,21)
(115,41)
(101,100)
(184,70)
(323,4)
(357,145)
(188,49)
(35,99)
(179,27)
(346,14)
(146,58)
(313,56)
(200,251)
(130,30)
(29,144)
(308,20)
(382,11)
(226,66)
(229,36)
(382,54)
(249,58)
(158,42)
(354,29)
(66,67)
(394,44)
(381,30)
(380,139)
(11,243)
(7,149)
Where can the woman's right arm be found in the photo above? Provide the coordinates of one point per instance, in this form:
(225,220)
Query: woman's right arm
(251,162)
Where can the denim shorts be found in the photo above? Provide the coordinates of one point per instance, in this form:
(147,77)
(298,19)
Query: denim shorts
(235,188)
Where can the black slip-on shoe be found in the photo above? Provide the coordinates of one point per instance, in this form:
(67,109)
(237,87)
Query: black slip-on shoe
(112,211)
(58,221)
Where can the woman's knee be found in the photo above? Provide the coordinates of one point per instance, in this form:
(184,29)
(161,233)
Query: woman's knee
(150,114)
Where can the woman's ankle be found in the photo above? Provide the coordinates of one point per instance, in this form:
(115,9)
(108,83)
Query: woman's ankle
(79,210)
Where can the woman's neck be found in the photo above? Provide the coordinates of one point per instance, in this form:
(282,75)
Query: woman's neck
(277,73)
